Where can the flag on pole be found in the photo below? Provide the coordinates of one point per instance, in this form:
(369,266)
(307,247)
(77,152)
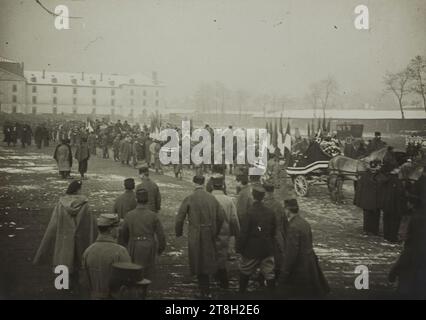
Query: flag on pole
(329,125)
(275,135)
(89,125)
(309,130)
(324,124)
(287,138)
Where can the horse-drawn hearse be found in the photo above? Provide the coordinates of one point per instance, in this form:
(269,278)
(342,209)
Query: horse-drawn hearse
(323,163)
(309,168)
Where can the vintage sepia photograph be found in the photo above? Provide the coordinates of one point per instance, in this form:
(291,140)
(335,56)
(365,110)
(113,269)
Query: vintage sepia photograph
(221,150)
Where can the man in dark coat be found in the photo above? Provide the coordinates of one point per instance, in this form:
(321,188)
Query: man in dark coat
(376,143)
(245,199)
(154,195)
(46,135)
(82,155)
(256,242)
(38,136)
(411,265)
(26,136)
(99,257)
(301,275)
(205,216)
(127,201)
(366,198)
(143,235)
(271,202)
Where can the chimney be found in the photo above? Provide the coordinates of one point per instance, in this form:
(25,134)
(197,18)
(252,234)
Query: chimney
(44,74)
(101,76)
(154,77)
(82,76)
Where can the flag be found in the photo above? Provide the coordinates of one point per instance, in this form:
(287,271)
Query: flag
(319,125)
(89,125)
(281,125)
(287,138)
(309,130)
(329,125)
(324,124)
(275,135)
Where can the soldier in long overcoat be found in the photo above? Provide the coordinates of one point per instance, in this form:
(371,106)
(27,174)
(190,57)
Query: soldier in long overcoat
(143,235)
(205,216)
(230,228)
(71,229)
(63,157)
(154,194)
(301,273)
(367,198)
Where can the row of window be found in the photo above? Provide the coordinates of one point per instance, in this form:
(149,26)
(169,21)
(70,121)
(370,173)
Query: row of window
(74,110)
(74,101)
(74,91)
(74,81)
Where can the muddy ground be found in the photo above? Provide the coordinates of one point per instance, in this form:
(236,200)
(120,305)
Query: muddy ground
(30,187)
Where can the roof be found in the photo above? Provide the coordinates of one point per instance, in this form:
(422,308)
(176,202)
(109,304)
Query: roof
(108,80)
(354,114)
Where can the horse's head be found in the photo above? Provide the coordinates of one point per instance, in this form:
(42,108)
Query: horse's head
(375,156)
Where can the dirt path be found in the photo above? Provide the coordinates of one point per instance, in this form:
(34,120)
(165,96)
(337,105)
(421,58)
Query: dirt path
(30,187)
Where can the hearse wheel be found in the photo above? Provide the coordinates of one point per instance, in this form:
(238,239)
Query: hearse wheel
(301,186)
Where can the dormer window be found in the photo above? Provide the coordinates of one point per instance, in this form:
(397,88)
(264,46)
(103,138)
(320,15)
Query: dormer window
(93,82)
(132,81)
(111,83)
(54,80)
(33,79)
(74,81)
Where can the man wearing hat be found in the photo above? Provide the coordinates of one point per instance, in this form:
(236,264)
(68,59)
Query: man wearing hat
(271,202)
(245,199)
(256,241)
(205,216)
(301,275)
(71,229)
(63,157)
(154,195)
(100,256)
(127,201)
(142,233)
(376,143)
(230,228)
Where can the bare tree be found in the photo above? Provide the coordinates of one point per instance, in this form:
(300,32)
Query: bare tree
(397,83)
(313,97)
(417,77)
(241,97)
(328,88)
(321,93)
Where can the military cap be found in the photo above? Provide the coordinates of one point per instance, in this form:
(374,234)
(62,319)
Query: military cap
(129,183)
(269,185)
(258,188)
(74,186)
(199,179)
(143,169)
(218,180)
(125,273)
(291,203)
(108,220)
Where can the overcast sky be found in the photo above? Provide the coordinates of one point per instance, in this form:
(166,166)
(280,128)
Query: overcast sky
(273,46)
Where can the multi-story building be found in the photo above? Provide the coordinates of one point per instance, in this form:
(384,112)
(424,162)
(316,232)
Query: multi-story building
(41,92)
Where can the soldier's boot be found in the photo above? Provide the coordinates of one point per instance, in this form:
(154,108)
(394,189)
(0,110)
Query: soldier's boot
(270,284)
(243,283)
(222,278)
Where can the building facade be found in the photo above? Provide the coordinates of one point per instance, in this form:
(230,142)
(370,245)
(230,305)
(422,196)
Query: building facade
(42,92)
